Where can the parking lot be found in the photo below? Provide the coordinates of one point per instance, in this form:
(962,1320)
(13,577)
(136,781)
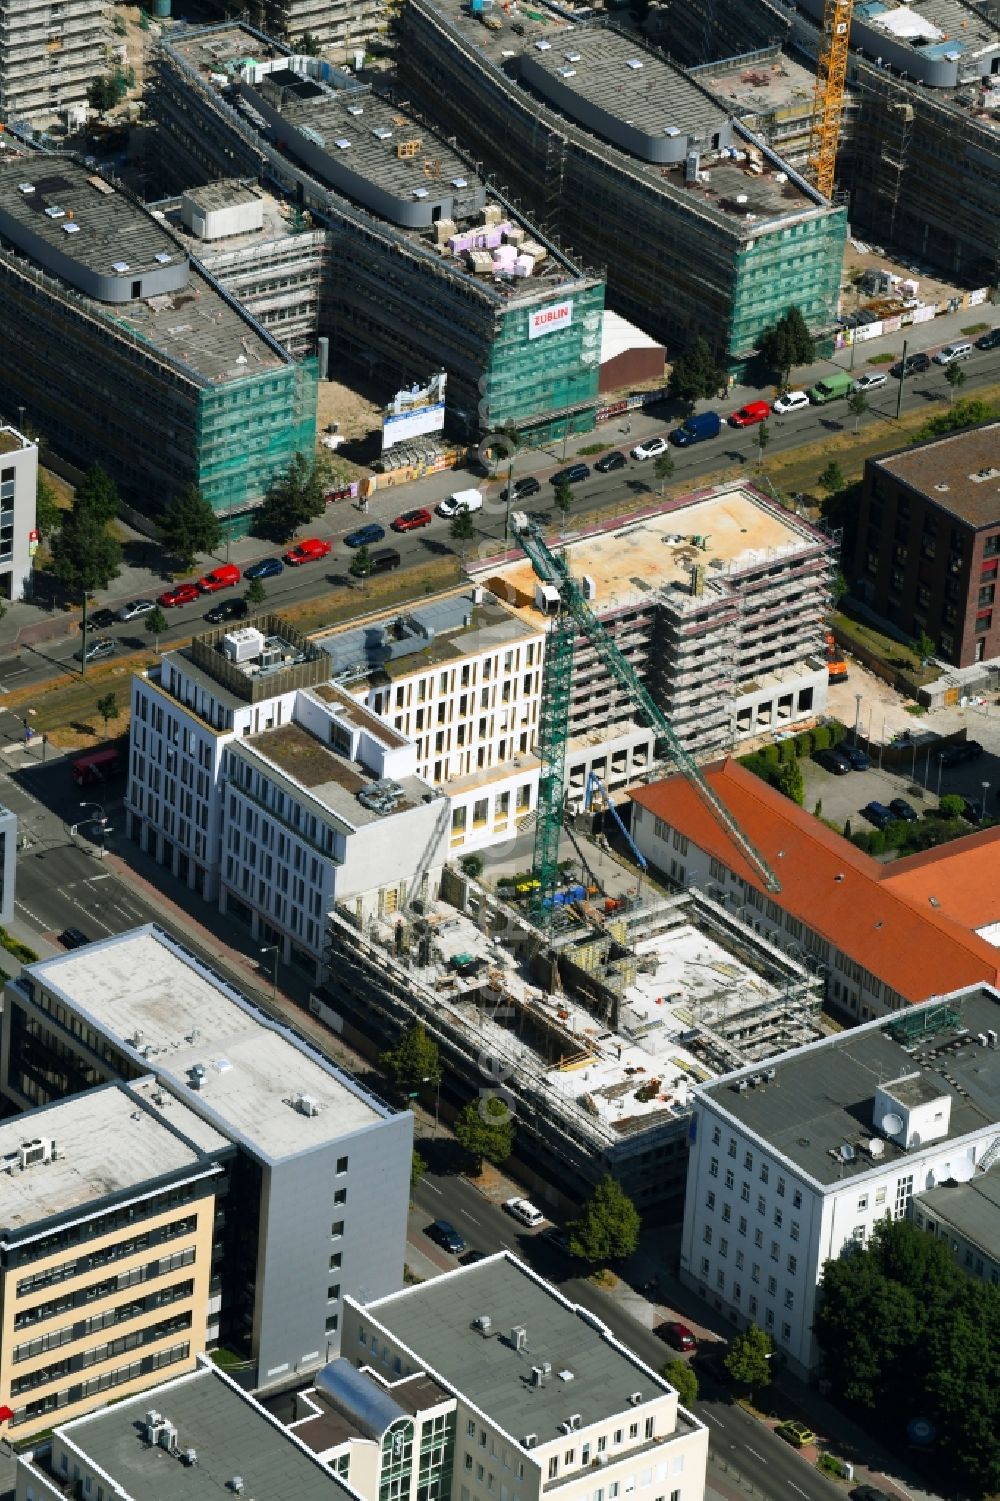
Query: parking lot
(843,797)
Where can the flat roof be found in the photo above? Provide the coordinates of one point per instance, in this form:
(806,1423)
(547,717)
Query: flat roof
(656,554)
(166,1009)
(105,1144)
(959,472)
(823,1095)
(411,639)
(277,226)
(435,1322)
(222,48)
(758,85)
(936,28)
(230,1433)
(333,779)
(194,325)
(11,440)
(229,192)
(971,1209)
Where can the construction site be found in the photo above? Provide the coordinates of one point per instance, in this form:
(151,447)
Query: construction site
(594,1033)
(428,269)
(49,55)
(723,235)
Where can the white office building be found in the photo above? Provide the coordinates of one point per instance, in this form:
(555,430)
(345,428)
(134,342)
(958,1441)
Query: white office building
(18,494)
(793,1163)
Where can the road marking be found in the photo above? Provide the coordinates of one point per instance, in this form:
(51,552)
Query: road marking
(757,1456)
(710,1418)
(40,926)
(434,1190)
(794,1486)
(91,879)
(472,1219)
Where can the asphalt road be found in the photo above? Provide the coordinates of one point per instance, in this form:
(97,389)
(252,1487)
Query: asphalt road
(27,667)
(736,1440)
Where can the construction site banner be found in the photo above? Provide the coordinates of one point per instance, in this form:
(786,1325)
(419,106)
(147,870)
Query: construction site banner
(411,414)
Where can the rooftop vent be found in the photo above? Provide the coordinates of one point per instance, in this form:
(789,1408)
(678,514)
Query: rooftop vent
(519,1337)
(575,1420)
(634,1398)
(420,192)
(566,1375)
(120,266)
(163,257)
(55,212)
(235,1485)
(382,133)
(572,57)
(342,144)
(69,228)
(26,188)
(942,487)
(671,130)
(39,1149)
(458,182)
(634,63)
(355,109)
(567,72)
(543,46)
(166,1436)
(190,1457)
(305,1104)
(484,1324)
(537,1376)
(981,475)
(530,1440)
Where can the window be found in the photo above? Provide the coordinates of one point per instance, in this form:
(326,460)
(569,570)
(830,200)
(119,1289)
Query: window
(781,1188)
(904,1193)
(633,1430)
(730,1180)
(335,1261)
(761,1204)
(797,1199)
(650,1427)
(713,1168)
(569,1458)
(786,1332)
(758,1238)
(710,1200)
(789,1298)
(748,1162)
(553,1467)
(862,1203)
(720,1280)
(333,1292)
(753,1305)
(723,1247)
(755,1273)
(585,1455)
(792,1264)
(775,1250)
(794,1230)
(716,1136)
(618,1436)
(341,1165)
(763,1172)
(739,1261)
(745,1193)
(743,1224)
(880,1196)
(470,1428)
(777,1219)
(732,1146)
(727,1213)
(772,1286)
(706,1235)
(602,1443)
(705,1264)
(337,1229)
(340,1196)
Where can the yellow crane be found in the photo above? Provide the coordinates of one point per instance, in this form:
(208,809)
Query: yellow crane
(828,102)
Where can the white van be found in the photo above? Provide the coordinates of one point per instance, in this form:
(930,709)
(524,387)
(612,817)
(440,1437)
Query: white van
(462,500)
(952,352)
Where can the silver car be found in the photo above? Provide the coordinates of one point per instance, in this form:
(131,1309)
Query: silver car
(869,382)
(136,608)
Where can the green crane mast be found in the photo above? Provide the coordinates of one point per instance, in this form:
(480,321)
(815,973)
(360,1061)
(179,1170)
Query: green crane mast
(576,617)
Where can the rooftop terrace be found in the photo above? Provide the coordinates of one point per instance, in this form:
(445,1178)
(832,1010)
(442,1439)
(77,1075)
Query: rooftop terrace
(823,1096)
(960,473)
(92,1147)
(168,1011)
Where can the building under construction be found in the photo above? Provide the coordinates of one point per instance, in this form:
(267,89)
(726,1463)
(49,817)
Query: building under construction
(702,228)
(429,269)
(329,25)
(49,56)
(594,1036)
(121,350)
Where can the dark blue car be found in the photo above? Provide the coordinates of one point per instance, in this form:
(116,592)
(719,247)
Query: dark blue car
(877,813)
(267,568)
(365,535)
(856,758)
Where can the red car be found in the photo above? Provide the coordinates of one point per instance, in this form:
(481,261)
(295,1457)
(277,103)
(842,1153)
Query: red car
(754,411)
(678,1336)
(309,551)
(182,594)
(410,520)
(222,577)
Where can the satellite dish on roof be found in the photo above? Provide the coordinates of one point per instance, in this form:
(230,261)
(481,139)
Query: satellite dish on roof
(892,1123)
(847,1153)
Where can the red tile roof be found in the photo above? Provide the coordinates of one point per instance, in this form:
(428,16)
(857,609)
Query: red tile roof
(879,915)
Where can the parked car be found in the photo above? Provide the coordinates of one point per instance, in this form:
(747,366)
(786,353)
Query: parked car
(990,340)
(900,808)
(365,535)
(569,476)
(558,1239)
(747,416)
(525,1212)
(650,449)
(267,568)
(834,760)
(461,500)
(135,608)
(446,1235)
(791,401)
(696,429)
(877,813)
(73,938)
(223,577)
(385,559)
(914,364)
(100,620)
(973,810)
(871,381)
(521,488)
(677,1336)
(309,551)
(611,461)
(795,1433)
(961,752)
(856,758)
(97,650)
(952,352)
(227,609)
(409,521)
(180,594)
(868,1493)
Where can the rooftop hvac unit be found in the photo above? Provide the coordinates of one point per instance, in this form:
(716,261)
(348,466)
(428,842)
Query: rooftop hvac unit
(483,1323)
(575,1420)
(691,165)
(243,645)
(587,587)
(39,1149)
(634,1399)
(166,1437)
(236,1485)
(190,1457)
(537,1376)
(530,1440)
(306,1105)
(547,599)
(519,1337)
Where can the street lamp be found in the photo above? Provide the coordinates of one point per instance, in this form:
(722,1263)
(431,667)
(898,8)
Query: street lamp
(273,950)
(986,788)
(101,822)
(434,1079)
(857,714)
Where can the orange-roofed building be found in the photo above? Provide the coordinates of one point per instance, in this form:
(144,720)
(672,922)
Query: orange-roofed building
(883,936)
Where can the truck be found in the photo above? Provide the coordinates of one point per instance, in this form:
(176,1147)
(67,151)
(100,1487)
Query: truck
(461,500)
(830,388)
(697,427)
(97,767)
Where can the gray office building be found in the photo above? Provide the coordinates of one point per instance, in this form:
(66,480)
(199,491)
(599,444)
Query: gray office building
(318,1189)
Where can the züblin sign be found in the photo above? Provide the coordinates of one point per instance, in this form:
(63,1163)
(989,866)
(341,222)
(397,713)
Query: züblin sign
(546,319)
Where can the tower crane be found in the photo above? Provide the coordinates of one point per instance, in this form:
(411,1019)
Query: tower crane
(828,101)
(576,617)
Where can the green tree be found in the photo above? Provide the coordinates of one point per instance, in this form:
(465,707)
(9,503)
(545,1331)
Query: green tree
(361,564)
(485,1128)
(787,344)
(48,512)
(748,1359)
(923,646)
(788,779)
(472,866)
(664,468)
(683,1379)
(832,478)
(695,373)
(293,498)
(418,1167)
(189,526)
(763,439)
(462,530)
(107,707)
(307,45)
(955,376)
(156,624)
(970,411)
(98,494)
(608,1227)
(255,593)
(85,556)
(414,1060)
(857,405)
(801,342)
(103,93)
(563,497)
(951,805)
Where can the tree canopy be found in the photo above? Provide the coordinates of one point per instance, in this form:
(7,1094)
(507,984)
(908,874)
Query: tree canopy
(748,1359)
(788,343)
(189,526)
(98,494)
(292,499)
(485,1128)
(414,1059)
(695,373)
(683,1379)
(968,412)
(608,1229)
(85,556)
(905,1333)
